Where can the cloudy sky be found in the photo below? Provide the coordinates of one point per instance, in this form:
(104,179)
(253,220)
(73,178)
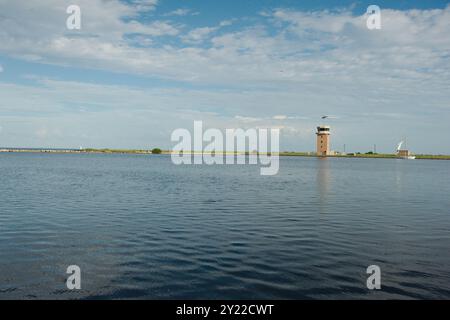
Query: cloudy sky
(139,69)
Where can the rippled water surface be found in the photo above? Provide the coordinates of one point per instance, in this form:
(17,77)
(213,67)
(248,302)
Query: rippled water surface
(140,227)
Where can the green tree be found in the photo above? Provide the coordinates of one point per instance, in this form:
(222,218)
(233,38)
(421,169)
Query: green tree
(156,151)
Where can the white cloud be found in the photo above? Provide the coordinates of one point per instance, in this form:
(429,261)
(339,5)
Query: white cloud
(44,22)
(144,5)
(226,23)
(199,34)
(248,119)
(182,12)
(304,47)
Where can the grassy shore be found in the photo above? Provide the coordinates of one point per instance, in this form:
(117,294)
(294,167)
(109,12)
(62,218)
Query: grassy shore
(282,154)
(433,157)
(366,155)
(43,150)
(353,155)
(133,151)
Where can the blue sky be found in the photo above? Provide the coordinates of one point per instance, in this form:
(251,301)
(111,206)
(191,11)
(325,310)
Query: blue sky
(137,70)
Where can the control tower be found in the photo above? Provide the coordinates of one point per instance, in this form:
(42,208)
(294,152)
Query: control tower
(323,140)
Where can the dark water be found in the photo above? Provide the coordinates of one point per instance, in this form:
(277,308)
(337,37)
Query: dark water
(140,227)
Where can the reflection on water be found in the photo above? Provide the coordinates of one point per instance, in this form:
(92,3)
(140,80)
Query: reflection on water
(399,172)
(141,227)
(323,182)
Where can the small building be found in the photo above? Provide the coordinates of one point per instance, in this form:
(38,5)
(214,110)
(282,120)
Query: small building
(323,141)
(403,153)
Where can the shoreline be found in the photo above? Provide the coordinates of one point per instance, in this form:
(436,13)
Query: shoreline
(281,154)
